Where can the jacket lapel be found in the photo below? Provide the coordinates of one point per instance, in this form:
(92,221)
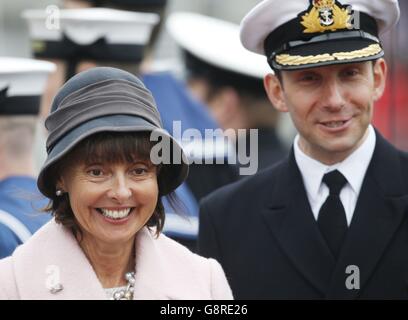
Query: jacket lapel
(52,259)
(380,210)
(152,273)
(291,221)
(160,275)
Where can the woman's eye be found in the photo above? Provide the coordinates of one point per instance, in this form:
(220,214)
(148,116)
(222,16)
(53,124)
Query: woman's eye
(139,171)
(95,172)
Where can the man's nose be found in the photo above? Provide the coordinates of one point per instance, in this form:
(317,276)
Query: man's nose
(333,96)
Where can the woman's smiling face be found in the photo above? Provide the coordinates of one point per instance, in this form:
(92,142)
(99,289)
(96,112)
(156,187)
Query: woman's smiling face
(112,186)
(111,201)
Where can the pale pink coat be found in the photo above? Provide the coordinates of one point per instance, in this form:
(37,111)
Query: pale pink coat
(164,270)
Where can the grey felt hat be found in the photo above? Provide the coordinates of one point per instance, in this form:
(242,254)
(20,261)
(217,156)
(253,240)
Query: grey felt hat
(104,100)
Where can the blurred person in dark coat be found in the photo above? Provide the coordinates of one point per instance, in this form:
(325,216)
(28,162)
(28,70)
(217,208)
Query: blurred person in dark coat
(229,80)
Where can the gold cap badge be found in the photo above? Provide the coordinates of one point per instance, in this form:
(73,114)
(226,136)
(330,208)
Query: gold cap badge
(326,15)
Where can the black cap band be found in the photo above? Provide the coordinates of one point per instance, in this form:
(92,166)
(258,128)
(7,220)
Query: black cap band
(18,105)
(99,50)
(292,34)
(129,3)
(220,77)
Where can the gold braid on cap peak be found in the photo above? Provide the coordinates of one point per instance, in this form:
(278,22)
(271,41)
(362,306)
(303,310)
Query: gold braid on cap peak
(290,60)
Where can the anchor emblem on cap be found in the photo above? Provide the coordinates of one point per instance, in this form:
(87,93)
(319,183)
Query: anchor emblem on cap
(325,15)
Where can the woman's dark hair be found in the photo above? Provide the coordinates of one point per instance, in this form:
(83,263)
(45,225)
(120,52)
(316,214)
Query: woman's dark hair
(109,147)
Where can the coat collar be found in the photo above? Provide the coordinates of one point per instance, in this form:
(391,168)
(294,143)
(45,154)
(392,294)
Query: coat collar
(290,218)
(379,211)
(53,257)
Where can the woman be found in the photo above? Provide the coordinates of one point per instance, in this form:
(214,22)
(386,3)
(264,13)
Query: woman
(105,240)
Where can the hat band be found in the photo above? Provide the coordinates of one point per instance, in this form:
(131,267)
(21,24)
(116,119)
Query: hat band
(108,97)
(18,105)
(293,33)
(99,50)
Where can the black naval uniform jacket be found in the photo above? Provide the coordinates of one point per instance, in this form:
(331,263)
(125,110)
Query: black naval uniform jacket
(263,232)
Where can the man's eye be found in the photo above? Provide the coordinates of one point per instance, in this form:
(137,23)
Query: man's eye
(308,78)
(351,72)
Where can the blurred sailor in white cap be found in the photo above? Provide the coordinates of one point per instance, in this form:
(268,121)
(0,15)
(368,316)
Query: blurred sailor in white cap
(330,220)
(229,80)
(106,36)
(22,82)
(77,39)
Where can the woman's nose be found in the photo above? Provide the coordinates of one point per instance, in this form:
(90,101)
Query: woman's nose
(120,189)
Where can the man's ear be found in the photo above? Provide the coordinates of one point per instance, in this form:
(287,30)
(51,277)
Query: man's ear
(274,90)
(380,75)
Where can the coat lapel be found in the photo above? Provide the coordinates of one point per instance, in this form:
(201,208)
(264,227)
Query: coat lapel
(52,258)
(153,275)
(380,210)
(291,221)
(161,275)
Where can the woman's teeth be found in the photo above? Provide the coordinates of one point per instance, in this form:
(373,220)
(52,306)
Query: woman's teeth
(116,214)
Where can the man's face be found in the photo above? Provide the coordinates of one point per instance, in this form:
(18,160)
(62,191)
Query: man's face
(330,106)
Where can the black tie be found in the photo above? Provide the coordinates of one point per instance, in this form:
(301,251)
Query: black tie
(332,217)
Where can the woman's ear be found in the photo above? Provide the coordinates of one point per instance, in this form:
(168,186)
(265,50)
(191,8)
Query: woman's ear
(60,184)
(380,76)
(274,90)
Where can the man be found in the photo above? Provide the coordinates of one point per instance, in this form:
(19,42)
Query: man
(329,221)
(232,90)
(22,82)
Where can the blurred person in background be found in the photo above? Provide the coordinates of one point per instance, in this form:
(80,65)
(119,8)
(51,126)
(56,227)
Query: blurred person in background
(22,82)
(228,79)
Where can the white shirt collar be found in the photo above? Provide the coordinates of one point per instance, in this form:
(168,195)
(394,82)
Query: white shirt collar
(353,168)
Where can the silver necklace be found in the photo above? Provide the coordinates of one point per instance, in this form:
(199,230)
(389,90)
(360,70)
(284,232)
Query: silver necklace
(126,293)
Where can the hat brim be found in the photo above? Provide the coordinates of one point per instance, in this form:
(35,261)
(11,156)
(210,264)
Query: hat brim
(112,123)
(327,53)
